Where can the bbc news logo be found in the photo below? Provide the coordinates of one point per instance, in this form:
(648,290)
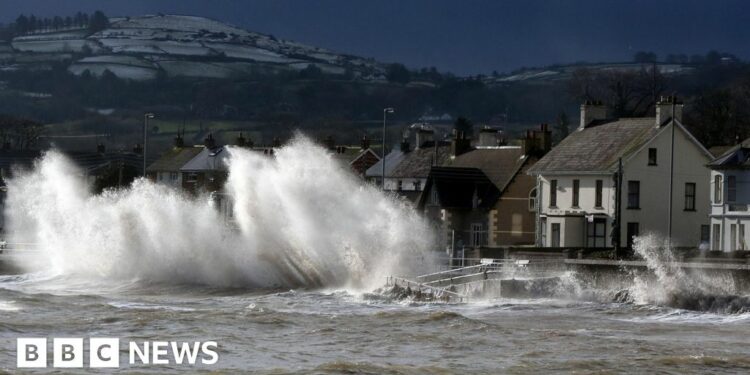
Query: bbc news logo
(105,353)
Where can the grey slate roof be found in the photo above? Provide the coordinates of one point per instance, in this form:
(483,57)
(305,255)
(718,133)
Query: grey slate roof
(598,147)
(174,159)
(392,160)
(498,164)
(457,187)
(207,160)
(417,163)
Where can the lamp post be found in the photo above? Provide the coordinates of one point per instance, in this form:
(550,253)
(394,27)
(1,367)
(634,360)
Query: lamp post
(146,117)
(386,111)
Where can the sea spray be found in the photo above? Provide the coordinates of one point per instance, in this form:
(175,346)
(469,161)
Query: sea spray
(672,286)
(301,220)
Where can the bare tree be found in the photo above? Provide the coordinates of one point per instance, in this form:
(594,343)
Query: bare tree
(627,92)
(20,133)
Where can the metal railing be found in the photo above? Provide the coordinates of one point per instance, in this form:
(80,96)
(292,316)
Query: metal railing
(492,269)
(438,292)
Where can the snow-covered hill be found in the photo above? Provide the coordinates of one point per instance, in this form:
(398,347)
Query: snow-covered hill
(140,47)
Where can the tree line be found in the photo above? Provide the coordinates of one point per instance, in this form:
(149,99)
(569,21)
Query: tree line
(30,24)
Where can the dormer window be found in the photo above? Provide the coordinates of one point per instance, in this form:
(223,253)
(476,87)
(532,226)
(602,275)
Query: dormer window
(652,156)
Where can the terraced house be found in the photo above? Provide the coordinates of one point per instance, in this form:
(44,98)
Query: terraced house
(613,179)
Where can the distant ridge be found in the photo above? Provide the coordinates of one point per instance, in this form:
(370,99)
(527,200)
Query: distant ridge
(143,47)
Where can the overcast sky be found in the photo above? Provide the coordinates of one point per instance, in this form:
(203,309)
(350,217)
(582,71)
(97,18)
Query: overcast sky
(461,36)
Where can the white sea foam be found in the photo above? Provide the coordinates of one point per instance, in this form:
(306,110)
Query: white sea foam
(302,219)
(673,287)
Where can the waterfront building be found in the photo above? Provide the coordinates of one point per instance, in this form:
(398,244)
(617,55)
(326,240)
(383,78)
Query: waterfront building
(730,199)
(357,159)
(407,169)
(612,179)
(482,197)
(166,169)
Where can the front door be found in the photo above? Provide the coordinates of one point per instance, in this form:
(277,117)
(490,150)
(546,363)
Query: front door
(555,235)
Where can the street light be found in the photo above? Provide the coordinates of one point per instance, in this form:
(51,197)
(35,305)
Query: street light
(385,112)
(146,117)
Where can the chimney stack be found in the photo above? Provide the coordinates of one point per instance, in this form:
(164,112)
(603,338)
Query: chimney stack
(100,148)
(210,142)
(364,143)
(179,142)
(276,142)
(460,144)
(592,110)
(488,137)
(138,149)
(664,110)
(330,143)
(538,142)
(404,145)
(423,136)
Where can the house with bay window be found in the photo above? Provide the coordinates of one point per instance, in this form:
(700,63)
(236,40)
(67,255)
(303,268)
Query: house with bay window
(730,199)
(613,179)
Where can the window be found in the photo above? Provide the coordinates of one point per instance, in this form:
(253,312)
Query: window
(555,235)
(717,188)
(731,189)
(417,185)
(596,233)
(689,196)
(576,186)
(599,188)
(634,194)
(399,185)
(652,156)
(544,231)
(532,200)
(705,234)
(173,176)
(717,237)
(553,193)
(733,237)
(633,231)
(478,235)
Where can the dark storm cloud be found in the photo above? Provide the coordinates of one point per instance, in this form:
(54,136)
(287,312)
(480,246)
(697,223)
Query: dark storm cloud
(465,37)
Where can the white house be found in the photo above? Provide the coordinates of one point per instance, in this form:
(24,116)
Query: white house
(730,199)
(166,169)
(581,202)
